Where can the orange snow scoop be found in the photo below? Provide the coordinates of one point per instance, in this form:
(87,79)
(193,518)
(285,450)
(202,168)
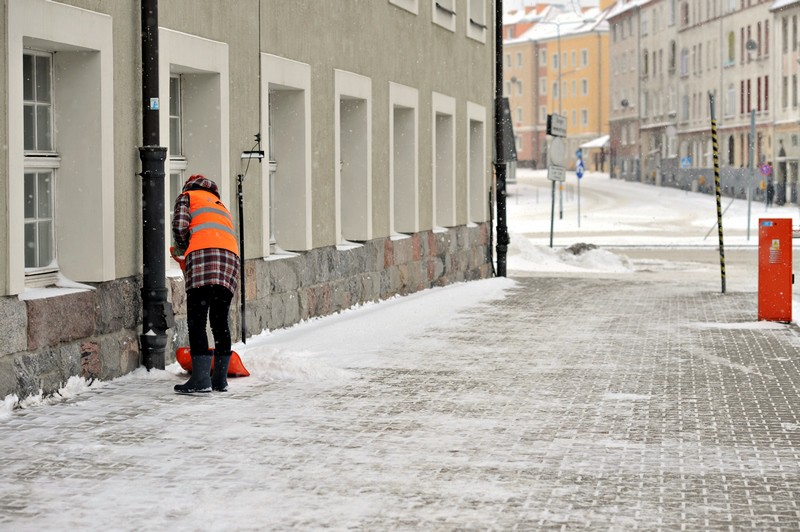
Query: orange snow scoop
(235,368)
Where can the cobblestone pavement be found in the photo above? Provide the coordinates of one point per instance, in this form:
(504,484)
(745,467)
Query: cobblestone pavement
(605,403)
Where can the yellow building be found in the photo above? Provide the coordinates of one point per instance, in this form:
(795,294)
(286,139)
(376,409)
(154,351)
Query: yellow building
(560,65)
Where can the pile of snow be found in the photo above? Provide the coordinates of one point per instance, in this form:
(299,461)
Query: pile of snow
(525,256)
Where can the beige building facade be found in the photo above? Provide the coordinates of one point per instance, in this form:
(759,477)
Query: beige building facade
(375,181)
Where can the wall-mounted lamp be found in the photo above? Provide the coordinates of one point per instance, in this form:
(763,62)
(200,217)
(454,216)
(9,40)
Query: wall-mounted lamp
(253,154)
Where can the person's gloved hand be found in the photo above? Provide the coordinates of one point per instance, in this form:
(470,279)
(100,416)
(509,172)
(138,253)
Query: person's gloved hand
(177,255)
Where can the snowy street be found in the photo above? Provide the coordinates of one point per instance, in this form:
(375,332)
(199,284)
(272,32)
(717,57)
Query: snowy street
(617,389)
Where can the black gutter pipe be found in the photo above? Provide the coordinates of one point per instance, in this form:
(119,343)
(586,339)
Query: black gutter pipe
(499,164)
(157,314)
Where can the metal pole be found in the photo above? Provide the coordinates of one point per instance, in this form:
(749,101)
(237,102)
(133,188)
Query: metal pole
(499,165)
(560,90)
(552,212)
(718,189)
(579,202)
(239,180)
(752,167)
(157,314)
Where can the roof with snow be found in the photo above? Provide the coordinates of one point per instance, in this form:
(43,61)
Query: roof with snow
(550,25)
(780,4)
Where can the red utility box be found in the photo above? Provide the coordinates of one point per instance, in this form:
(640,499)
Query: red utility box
(775,276)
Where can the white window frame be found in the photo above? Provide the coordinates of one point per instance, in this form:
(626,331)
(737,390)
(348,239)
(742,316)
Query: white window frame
(84,70)
(412,6)
(478,185)
(289,82)
(476,20)
(404,187)
(203,66)
(443,159)
(353,187)
(444,14)
(36,161)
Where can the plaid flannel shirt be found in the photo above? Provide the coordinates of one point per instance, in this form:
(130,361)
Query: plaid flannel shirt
(204,266)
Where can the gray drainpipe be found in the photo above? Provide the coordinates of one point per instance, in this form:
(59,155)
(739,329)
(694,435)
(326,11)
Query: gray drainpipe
(157,314)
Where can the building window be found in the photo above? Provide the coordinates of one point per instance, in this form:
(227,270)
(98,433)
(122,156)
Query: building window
(519,59)
(673,56)
(62,104)
(543,86)
(353,151)
(403,160)
(731,59)
(177,160)
(584,117)
(730,108)
(584,87)
(444,159)
(41,164)
(543,58)
(584,57)
(785,34)
(477,204)
(785,92)
(684,62)
(476,20)
(286,95)
(444,14)
(411,6)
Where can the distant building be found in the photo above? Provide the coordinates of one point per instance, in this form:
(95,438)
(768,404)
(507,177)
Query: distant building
(670,56)
(556,63)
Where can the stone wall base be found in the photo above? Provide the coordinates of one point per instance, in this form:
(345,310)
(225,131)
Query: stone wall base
(95,333)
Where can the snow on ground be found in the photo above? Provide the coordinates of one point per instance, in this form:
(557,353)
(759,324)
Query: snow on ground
(614,216)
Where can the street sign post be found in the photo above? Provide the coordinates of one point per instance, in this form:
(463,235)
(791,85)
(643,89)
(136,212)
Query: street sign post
(557,125)
(579,169)
(556,173)
(556,128)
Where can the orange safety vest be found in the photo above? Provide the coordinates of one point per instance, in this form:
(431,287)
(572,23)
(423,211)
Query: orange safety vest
(211,225)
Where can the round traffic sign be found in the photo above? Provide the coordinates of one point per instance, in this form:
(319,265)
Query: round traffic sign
(765,169)
(579,169)
(557,150)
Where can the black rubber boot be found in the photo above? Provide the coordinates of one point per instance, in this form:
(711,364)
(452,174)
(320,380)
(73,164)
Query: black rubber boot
(219,380)
(200,381)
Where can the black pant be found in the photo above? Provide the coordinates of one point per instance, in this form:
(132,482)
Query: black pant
(203,303)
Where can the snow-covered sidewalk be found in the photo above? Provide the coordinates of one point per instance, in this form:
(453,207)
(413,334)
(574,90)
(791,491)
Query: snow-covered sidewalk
(622,392)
